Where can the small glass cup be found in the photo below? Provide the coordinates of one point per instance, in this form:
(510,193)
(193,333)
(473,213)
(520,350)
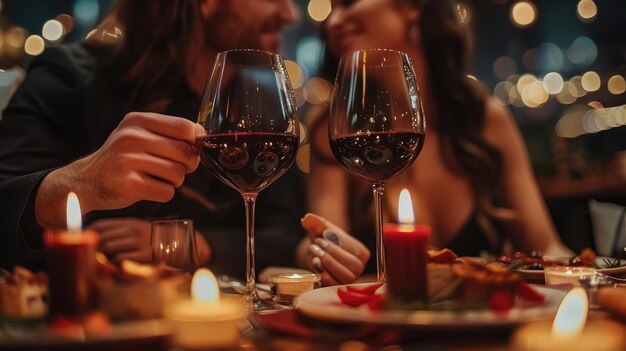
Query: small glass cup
(555,275)
(285,287)
(173,242)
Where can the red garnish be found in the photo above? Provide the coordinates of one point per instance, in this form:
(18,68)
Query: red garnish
(352,298)
(367,290)
(441,256)
(501,301)
(527,293)
(376,302)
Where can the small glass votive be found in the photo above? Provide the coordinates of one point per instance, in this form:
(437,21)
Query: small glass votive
(285,287)
(566,275)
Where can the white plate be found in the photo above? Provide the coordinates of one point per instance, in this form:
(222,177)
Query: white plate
(616,272)
(324,304)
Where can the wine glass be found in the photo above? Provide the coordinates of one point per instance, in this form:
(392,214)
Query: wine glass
(251,133)
(376,124)
(173,242)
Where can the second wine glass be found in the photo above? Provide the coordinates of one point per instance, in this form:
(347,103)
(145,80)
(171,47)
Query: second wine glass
(251,133)
(376,124)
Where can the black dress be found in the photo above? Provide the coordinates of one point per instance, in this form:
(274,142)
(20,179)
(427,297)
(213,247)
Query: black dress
(69,103)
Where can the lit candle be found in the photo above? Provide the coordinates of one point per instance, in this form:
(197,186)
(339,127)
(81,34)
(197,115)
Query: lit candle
(205,321)
(570,330)
(285,287)
(71,264)
(405,253)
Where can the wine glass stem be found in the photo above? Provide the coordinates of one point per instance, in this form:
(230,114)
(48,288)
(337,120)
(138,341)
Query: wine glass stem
(381,268)
(250,200)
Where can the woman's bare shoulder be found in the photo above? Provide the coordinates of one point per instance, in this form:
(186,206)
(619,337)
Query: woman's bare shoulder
(500,126)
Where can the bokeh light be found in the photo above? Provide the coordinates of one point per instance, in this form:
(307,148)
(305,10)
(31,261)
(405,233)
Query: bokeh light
(319,9)
(319,90)
(586,10)
(34,45)
(464,14)
(549,57)
(502,92)
(583,51)
(568,94)
(86,11)
(553,83)
(66,21)
(591,81)
(578,89)
(504,66)
(616,85)
(15,37)
(523,13)
(308,53)
(52,30)
(296,74)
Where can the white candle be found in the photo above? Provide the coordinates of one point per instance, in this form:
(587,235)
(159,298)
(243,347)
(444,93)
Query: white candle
(286,287)
(570,331)
(205,321)
(566,275)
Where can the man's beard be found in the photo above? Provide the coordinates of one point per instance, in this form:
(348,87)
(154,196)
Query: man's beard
(224,31)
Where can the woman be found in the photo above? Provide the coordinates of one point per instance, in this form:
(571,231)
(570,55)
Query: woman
(472,182)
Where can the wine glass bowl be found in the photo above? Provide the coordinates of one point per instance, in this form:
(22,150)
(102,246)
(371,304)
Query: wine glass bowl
(251,132)
(376,123)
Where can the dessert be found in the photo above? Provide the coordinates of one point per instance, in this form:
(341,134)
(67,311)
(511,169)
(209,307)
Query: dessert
(137,291)
(23,294)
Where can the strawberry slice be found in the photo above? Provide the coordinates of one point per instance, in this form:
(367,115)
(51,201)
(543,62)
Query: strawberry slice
(376,303)
(527,293)
(353,299)
(500,301)
(367,290)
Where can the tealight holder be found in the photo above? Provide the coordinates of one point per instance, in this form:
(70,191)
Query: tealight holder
(555,275)
(285,287)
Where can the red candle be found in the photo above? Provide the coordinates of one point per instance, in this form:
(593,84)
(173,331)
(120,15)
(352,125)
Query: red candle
(71,265)
(405,253)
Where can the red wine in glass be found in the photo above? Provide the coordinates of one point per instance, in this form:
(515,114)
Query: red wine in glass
(377,156)
(248,161)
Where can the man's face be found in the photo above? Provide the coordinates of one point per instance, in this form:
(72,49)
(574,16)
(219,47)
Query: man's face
(254,24)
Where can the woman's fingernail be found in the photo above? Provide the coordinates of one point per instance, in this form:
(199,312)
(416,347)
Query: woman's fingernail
(316,250)
(317,265)
(332,237)
(322,243)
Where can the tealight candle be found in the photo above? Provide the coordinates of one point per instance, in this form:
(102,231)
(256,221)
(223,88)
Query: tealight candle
(566,275)
(405,254)
(205,321)
(570,331)
(71,265)
(286,287)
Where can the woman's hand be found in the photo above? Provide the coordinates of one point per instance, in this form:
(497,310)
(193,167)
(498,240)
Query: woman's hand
(124,238)
(329,250)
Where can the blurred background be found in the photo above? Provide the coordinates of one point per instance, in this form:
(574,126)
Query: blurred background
(558,65)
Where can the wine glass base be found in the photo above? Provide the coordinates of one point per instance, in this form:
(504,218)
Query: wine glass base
(258,305)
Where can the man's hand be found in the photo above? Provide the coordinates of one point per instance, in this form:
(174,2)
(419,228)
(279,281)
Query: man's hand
(145,158)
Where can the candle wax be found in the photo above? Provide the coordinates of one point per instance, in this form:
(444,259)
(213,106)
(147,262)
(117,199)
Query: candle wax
(406,258)
(71,268)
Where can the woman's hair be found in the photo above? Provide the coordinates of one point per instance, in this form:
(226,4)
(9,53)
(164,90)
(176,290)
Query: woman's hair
(151,41)
(460,105)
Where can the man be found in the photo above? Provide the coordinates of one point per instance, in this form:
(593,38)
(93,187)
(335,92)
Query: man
(74,125)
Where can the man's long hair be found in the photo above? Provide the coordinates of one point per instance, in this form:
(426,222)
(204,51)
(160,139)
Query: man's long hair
(151,42)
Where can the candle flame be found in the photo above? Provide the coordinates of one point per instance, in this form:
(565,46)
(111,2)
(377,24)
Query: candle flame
(74,222)
(204,286)
(572,314)
(405,208)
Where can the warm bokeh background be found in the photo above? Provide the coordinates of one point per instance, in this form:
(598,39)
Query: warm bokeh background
(558,65)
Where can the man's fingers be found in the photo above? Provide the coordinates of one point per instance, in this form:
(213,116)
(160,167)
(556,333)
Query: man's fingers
(331,266)
(115,246)
(169,126)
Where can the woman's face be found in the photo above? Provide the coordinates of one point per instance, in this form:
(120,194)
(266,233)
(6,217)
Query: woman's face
(367,24)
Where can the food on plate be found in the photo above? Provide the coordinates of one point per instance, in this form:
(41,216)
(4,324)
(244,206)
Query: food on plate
(23,294)
(535,261)
(456,283)
(135,290)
